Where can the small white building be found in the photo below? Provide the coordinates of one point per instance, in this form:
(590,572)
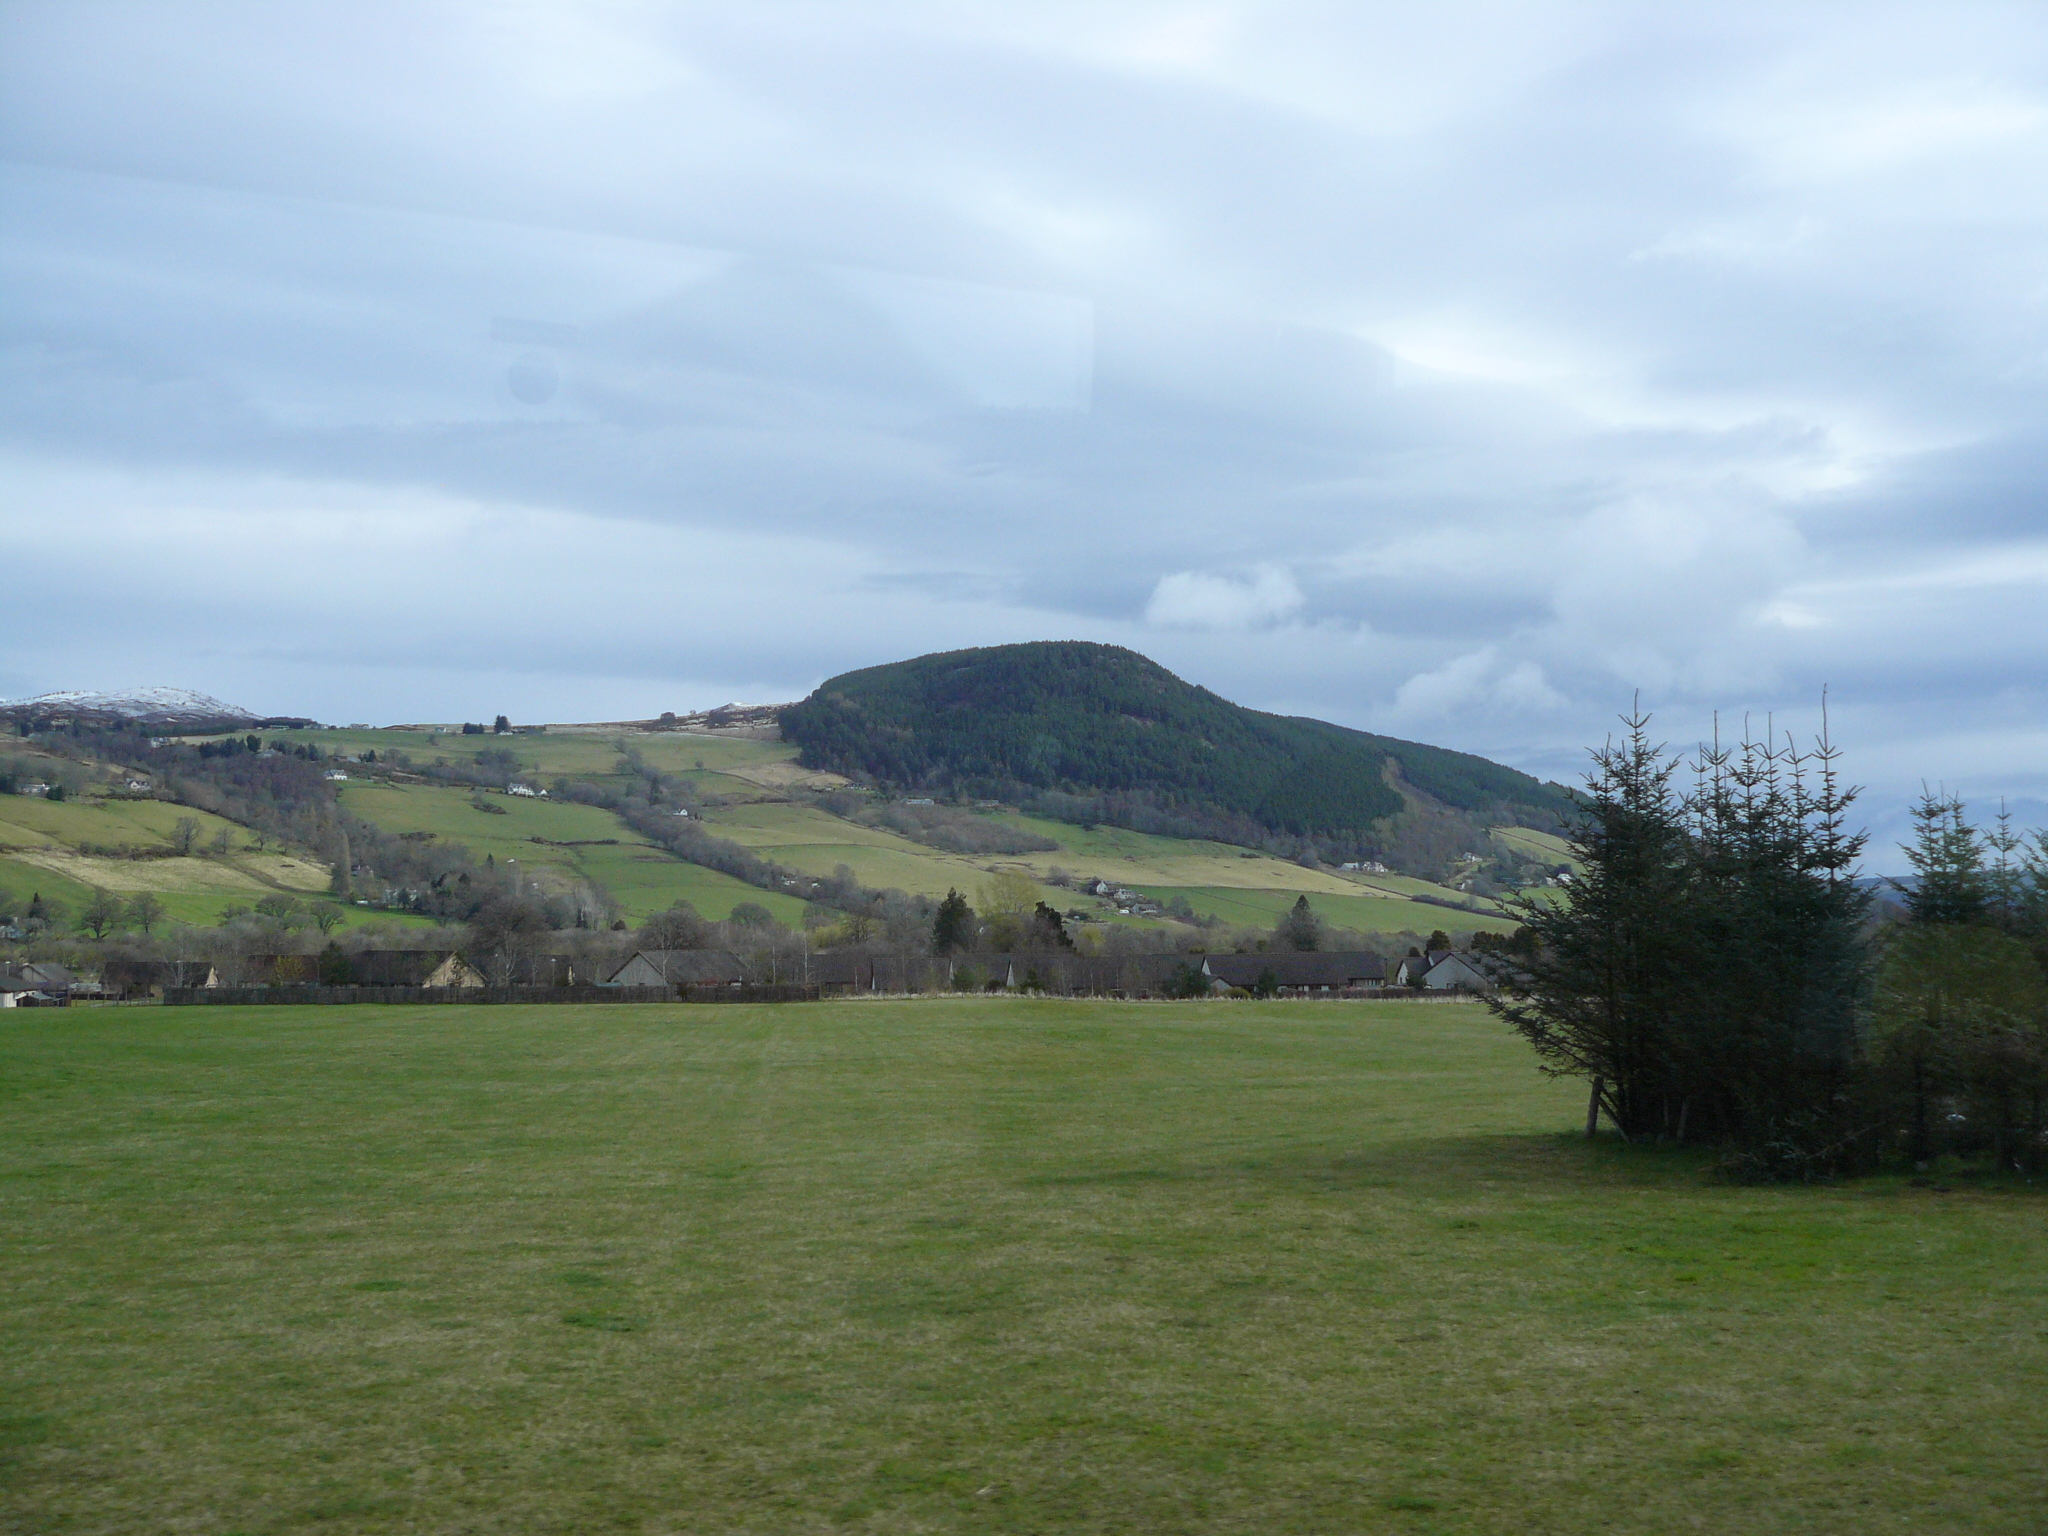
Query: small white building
(334,776)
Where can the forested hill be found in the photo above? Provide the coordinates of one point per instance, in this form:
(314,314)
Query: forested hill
(1073,719)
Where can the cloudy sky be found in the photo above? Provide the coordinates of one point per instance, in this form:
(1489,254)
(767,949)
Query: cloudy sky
(1455,370)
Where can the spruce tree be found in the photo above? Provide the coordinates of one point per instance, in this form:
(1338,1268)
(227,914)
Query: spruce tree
(1596,998)
(1300,928)
(1947,853)
(953,927)
(1708,968)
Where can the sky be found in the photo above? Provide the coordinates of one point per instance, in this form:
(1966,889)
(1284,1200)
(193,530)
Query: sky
(1462,372)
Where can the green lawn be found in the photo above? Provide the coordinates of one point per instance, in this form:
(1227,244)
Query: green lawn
(974,1266)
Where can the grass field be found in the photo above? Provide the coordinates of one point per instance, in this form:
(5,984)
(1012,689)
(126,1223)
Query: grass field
(957,1266)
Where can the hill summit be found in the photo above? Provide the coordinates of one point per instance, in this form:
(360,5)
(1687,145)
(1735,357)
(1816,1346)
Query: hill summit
(1098,732)
(155,708)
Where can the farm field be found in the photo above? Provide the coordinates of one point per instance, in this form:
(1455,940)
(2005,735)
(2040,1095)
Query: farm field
(1536,845)
(44,848)
(752,779)
(576,754)
(1367,914)
(643,879)
(958,1265)
(1215,877)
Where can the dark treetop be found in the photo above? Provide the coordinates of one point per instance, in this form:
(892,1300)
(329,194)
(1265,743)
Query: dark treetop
(1077,718)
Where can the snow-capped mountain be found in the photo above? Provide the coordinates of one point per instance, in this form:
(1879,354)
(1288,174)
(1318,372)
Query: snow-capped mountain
(165,708)
(134,703)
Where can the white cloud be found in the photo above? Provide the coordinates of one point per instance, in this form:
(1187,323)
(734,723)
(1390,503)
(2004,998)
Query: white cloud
(1198,600)
(1481,679)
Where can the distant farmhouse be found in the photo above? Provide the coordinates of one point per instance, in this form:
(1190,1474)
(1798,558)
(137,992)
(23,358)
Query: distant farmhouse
(1443,970)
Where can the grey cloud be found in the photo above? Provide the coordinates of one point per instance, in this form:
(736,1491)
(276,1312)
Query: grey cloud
(1526,355)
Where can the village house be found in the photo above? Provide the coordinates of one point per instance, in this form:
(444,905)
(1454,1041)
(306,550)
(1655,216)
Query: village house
(1443,970)
(36,984)
(132,981)
(413,968)
(370,968)
(1298,974)
(679,968)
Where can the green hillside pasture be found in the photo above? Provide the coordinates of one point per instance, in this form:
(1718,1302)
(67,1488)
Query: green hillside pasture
(816,842)
(29,821)
(1402,886)
(25,880)
(1144,862)
(1532,844)
(1366,914)
(586,755)
(999,1266)
(573,754)
(1128,858)
(640,877)
(1214,877)
(41,842)
(645,880)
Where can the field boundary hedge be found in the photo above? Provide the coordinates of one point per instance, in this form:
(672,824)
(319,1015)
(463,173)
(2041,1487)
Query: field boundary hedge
(186,997)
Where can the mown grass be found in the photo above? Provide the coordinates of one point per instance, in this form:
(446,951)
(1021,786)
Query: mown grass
(957,1266)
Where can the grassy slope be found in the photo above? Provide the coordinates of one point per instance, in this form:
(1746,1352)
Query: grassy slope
(43,840)
(1215,877)
(957,1266)
(641,877)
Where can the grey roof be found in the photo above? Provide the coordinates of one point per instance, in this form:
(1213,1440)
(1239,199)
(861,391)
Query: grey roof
(688,967)
(1297,968)
(38,976)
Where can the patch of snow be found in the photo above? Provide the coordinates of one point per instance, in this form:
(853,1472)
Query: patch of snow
(135,703)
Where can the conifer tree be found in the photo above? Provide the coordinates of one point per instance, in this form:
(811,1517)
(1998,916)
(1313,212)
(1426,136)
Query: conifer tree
(1300,929)
(1707,972)
(1947,854)
(1594,1001)
(953,926)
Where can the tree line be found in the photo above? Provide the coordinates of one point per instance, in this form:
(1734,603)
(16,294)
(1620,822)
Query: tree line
(1718,974)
